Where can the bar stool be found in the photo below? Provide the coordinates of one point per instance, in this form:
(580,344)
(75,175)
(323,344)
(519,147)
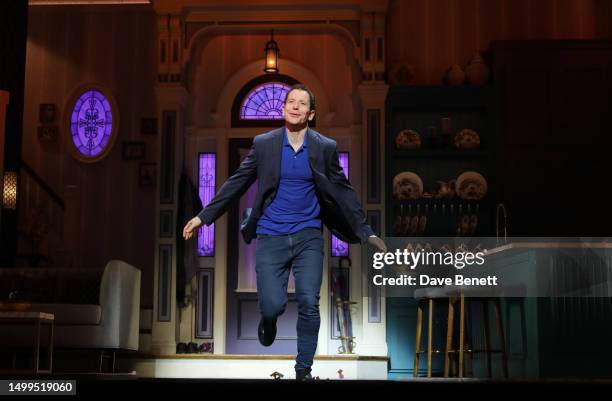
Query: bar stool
(463,295)
(426,296)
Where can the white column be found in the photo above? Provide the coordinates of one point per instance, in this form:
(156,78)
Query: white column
(172,98)
(373,94)
(373,340)
(221,250)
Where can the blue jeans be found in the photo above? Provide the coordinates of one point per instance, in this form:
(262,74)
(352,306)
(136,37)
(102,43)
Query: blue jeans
(275,256)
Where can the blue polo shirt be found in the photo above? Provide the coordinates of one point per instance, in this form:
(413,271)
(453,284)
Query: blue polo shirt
(295,205)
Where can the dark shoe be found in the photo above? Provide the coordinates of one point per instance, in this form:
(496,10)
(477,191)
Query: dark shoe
(266,332)
(181,348)
(303,375)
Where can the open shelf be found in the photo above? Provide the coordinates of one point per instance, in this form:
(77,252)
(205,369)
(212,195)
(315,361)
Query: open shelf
(441,111)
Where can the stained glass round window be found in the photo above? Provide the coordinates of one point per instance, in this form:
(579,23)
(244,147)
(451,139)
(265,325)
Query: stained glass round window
(92,124)
(265,102)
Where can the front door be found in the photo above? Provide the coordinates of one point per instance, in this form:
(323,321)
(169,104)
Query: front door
(243,311)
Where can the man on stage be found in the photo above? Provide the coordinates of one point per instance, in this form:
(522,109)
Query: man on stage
(301,186)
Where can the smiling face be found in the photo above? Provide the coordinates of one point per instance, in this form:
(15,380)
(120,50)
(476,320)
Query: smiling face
(296,109)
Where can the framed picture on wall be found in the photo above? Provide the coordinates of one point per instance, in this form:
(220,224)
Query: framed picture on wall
(46,114)
(133,151)
(148,126)
(147,174)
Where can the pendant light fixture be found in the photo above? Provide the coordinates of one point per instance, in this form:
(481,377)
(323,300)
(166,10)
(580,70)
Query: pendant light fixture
(271,52)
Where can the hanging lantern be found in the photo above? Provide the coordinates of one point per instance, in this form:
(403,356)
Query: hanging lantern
(271,55)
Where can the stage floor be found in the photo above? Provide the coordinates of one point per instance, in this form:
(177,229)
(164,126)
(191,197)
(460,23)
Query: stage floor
(212,366)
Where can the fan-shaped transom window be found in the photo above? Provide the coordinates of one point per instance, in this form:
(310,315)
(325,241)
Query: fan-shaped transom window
(265,102)
(260,102)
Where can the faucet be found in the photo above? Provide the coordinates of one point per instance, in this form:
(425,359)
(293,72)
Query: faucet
(500,206)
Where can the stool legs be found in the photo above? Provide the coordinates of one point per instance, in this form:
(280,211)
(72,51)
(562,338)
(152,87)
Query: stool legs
(500,335)
(461,333)
(419,332)
(470,360)
(487,345)
(113,360)
(464,347)
(449,336)
(417,348)
(429,337)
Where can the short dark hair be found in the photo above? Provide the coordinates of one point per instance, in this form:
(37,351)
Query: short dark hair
(304,88)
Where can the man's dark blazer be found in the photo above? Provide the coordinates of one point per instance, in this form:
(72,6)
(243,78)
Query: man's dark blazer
(341,210)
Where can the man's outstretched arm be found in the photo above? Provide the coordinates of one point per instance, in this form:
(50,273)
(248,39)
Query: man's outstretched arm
(233,188)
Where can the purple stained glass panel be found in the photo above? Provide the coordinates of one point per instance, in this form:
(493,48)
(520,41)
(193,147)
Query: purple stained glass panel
(207,173)
(91,123)
(265,102)
(341,248)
